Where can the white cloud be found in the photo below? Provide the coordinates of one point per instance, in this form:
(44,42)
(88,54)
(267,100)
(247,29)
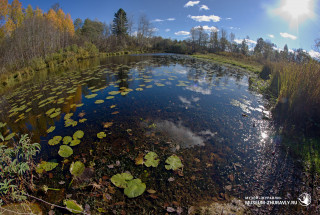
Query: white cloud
(228,18)
(207,28)
(191,3)
(271,35)
(290,36)
(205,18)
(182,33)
(157,20)
(154,29)
(314,54)
(247,40)
(234,28)
(204,7)
(171,19)
(135,33)
(167,30)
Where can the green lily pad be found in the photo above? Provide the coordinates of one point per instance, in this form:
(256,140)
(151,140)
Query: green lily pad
(67,140)
(109,97)
(68,116)
(78,134)
(91,96)
(82,120)
(77,168)
(51,129)
(45,166)
(101,135)
(139,89)
(73,206)
(10,136)
(173,162)
(49,112)
(100,101)
(151,159)
(134,188)
(65,151)
(113,93)
(75,142)
(121,180)
(55,140)
(55,114)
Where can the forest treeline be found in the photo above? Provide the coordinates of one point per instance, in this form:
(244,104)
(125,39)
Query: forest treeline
(31,39)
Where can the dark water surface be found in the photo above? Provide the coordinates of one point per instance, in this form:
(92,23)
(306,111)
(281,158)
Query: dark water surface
(169,104)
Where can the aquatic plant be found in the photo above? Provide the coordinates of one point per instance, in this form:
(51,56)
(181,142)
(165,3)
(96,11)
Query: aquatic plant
(67,140)
(46,166)
(51,129)
(55,140)
(151,159)
(101,135)
(65,151)
(121,180)
(173,162)
(100,101)
(134,188)
(77,168)
(73,206)
(78,134)
(75,142)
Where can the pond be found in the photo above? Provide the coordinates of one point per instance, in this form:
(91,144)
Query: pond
(128,106)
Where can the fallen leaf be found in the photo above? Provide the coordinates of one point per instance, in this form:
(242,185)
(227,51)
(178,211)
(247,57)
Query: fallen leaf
(139,159)
(209,164)
(170,179)
(228,187)
(111,166)
(116,112)
(107,124)
(153,196)
(170,209)
(179,210)
(231,177)
(62,182)
(151,191)
(197,160)
(191,210)
(107,197)
(82,114)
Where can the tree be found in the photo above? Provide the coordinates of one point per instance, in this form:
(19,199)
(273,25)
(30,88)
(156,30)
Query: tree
(244,47)
(259,47)
(29,12)
(16,13)
(223,40)
(317,44)
(120,23)
(78,24)
(92,30)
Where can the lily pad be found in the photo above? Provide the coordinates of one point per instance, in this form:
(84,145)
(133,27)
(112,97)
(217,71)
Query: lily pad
(75,142)
(73,206)
(49,112)
(82,120)
(121,180)
(101,135)
(55,114)
(45,166)
(78,134)
(113,93)
(67,140)
(151,159)
(134,188)
(55,140)
(173,162)
(65,151)
(51,129)
(109,97)
(139,89)
(100,101)
(91,96)
(77,168)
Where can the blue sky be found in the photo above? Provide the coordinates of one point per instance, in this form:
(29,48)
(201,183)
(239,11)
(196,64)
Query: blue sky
(269,19)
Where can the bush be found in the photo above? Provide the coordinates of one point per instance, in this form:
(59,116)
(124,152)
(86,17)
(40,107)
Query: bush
(16,164)
(38,63)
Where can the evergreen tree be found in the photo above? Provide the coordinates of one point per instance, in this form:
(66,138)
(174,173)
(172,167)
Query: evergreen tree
(120,23)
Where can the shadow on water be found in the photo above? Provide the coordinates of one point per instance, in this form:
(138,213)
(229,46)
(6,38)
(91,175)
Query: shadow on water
(169,104)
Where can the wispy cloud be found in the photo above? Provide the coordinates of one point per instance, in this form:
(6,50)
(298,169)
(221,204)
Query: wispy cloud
(290,36)
(157,20)
(171,19)
(191,3)
(205,18)
(207,28)
(204,7)
(228,18)
(154,29)
(182,33)
(271,35)
(234,28)
(167,30)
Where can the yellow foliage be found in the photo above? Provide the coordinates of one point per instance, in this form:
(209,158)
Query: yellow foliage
(16,13)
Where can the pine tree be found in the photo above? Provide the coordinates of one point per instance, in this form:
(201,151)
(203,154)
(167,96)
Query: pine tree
(120,23)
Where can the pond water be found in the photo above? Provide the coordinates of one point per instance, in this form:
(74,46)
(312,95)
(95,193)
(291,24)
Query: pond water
(202,112)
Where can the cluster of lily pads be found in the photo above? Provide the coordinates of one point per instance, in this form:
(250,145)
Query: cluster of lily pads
(65,150)
(135,187)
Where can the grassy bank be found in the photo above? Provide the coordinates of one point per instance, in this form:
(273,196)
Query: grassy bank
(234,60)
(63,58)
